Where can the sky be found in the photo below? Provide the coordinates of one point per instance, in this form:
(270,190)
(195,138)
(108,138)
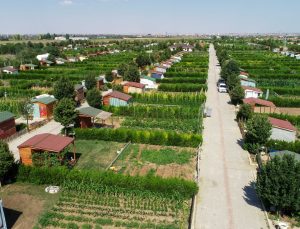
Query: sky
(149,16)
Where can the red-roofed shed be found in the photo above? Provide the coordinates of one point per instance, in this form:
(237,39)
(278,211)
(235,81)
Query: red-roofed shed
(260,105)
(45,143)
(282,130)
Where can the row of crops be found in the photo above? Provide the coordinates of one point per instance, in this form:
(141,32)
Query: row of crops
(274,72)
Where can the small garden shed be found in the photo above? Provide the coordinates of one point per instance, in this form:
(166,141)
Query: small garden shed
(252,92)
(43,106)
(44,143)
(7,124)
(88,115)
(134,87)
(282,130)
(117,99)
(260,105)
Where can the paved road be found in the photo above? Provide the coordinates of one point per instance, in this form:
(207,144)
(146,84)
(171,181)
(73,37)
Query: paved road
(226,198)
(51,127)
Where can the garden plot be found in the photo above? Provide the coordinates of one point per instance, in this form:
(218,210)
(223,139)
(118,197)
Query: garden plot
(161,161)
(111,208)
(96,154)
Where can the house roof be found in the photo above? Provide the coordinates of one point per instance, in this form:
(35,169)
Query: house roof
(244,73)
(30,65)
(94,112)
(148,78)
(261,102)
(5,115)
(119,95)
(78,86)
(252,89)
(135,84)
(284,152)
(243,77)
(44,100)
(47,142)
(282,124)
(9,68)
(156,72)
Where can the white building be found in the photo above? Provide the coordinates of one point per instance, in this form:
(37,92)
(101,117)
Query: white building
(79,38)
(42,56)
(62,38)
(252,92)
(149,82)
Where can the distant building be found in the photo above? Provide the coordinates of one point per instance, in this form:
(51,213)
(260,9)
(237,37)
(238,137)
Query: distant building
(42,56)
(79,38)
(157,75)
(10,70)
(61,38)
(79,92)
(149,82)
(282,130)
(245,81)
(26,67)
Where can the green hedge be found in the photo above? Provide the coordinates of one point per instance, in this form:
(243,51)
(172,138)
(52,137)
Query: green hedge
(93,180)
(283,145)
(179,87)
(154,137)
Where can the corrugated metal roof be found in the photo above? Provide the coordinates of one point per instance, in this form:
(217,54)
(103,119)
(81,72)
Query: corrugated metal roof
(47,142)
(44,100)
(262,102)
(119,95)
(135,84)
(6,115)
(283,124)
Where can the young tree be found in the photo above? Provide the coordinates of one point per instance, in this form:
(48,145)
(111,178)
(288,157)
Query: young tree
(63,88)
(26,109)
(278,184)
(229,67)
(237,94)
(132,74)
(245,112)
(109,76)
(65,112)
(90,82)
(258,130)
(122,68)
(232,81)
(142,60)
(94,98)
(6,160)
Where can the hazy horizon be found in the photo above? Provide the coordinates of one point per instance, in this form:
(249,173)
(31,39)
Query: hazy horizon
(149,17)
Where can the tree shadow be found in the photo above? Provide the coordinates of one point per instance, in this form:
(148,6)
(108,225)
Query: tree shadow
(240,142)
(250,196)
(11,216)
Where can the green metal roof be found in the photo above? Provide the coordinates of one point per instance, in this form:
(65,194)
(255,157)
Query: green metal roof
(89,111)
(5,115)
(148,78)
(45,100)
(30,65)
(284,152)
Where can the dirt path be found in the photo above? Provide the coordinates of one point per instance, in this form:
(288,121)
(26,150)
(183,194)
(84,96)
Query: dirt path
(226,198)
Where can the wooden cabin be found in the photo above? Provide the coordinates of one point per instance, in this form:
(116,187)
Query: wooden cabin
(260,105)
(87,116)
(134,87)
(44,143)
(116,98)
(7,124)
(43,106)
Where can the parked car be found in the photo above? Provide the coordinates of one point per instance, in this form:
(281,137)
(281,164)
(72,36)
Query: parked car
(222,88)
(220,81)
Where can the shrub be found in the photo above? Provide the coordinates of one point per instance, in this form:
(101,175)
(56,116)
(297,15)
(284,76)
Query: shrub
(237,94)
(245,112)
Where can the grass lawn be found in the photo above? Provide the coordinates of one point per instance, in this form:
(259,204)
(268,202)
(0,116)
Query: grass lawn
(96,154)
(139,159)
(24,203)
